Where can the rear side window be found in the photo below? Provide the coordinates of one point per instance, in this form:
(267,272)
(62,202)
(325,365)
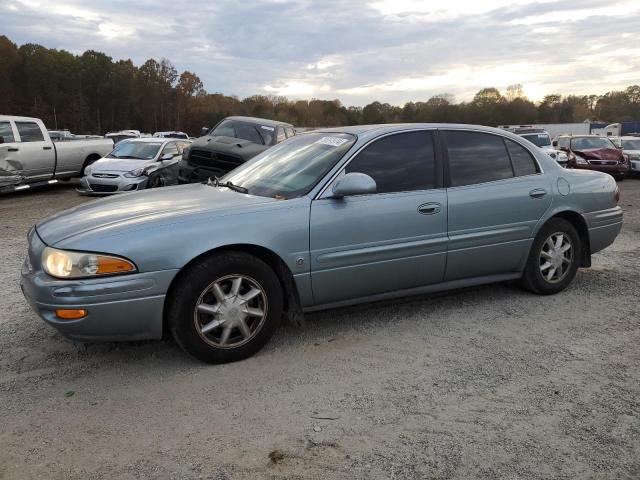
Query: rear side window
(6,132)
(523,161)
(476,157)
(289,131)
(563,142)
(281,136)
(398,163)
(29,132)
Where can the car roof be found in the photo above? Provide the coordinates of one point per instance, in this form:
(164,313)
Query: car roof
(377,129)
(262,121)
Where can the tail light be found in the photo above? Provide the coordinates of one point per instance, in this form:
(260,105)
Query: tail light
(616,194)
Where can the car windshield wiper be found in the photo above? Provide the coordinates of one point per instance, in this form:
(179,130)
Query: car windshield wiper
(217,183)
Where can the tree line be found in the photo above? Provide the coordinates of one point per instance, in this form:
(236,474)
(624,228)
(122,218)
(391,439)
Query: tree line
(93,93)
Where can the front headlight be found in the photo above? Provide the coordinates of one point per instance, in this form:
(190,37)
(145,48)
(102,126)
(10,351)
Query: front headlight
(135,173)
(66,264)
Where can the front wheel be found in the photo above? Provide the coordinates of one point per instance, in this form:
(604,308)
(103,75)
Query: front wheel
(225,308)
(554,258)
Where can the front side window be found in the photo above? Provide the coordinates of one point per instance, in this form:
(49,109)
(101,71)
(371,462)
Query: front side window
(170,148)
(523,162)
(291,169)
(476,157)
(398,163)
(6,132)
(29,132)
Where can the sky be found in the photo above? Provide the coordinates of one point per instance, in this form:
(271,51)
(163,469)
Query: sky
(357,51)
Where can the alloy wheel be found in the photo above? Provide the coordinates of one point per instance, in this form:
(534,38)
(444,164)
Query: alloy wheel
(556,257)
(230,311)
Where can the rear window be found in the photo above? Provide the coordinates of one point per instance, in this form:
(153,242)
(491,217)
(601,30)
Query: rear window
(29,132)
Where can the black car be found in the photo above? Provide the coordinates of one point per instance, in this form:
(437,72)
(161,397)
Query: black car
(230,143)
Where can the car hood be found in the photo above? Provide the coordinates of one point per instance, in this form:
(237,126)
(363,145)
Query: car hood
(119,164)
(228,145)
(600,154)
(140,209)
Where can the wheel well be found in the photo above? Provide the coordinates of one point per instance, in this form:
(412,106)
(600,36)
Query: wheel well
(580,225)
(88,161)
(291,299)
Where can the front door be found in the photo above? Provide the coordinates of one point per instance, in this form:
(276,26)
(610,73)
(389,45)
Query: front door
(391,240)
(36,155)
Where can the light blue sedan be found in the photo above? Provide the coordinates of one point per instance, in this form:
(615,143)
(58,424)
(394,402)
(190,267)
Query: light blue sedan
(322,220)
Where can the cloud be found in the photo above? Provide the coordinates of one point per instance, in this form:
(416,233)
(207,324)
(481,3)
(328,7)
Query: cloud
(358,51)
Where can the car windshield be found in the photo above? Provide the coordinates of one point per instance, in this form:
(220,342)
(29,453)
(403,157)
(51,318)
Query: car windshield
(292,168)
(253,132)
(631,144)
(587,143)
(135,150)
(539,139)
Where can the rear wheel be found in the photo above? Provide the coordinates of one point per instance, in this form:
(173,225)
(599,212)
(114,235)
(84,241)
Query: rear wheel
(225,308)
(554,258)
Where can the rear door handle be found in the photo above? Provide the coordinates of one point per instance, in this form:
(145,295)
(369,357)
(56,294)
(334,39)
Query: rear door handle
(429,208)
(46,148)
(12,149)
(537,193)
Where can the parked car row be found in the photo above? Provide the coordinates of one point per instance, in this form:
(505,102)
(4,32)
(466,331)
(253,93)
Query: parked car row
(324,219)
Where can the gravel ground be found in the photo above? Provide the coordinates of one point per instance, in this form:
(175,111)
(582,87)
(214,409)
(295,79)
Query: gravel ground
(487,382)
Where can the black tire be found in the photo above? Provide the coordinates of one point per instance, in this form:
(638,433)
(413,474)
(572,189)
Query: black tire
(155,181)
(533,279)
(189,290)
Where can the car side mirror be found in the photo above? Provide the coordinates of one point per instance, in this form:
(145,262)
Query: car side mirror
(353,183)
(554,143)
(204,131)
(166,156)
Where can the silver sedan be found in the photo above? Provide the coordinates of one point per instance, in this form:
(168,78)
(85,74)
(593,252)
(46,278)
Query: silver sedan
(134,164)
(324,219)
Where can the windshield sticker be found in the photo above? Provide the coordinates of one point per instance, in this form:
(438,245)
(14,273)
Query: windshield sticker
(542,135)
(332,141)
(271,129)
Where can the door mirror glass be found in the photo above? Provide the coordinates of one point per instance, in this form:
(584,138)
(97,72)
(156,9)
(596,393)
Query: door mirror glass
(354,183)
(204,131)
(554,143)
(166,156)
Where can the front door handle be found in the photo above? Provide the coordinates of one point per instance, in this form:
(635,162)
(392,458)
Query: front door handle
(46,148)
(537,193)
(12,149)
(429,208)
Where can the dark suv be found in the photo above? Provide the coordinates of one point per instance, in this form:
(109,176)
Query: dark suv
(230,143)
(592,152)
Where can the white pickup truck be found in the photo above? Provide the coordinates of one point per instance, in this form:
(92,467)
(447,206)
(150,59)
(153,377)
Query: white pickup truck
(28,157)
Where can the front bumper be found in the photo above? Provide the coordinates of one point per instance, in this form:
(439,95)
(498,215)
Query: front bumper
(126,307)
(612,169)
(116,183)
(634,166)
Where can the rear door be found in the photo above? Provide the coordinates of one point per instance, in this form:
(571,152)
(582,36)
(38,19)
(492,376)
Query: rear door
(391,240)
(35,152)
(496,195)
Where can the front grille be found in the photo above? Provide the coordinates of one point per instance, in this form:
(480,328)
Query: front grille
(602,162)
(96,187)
(213,160)
(105,175)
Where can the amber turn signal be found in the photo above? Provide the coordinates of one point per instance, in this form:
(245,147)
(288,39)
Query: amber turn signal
(108,265)
(71,314)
